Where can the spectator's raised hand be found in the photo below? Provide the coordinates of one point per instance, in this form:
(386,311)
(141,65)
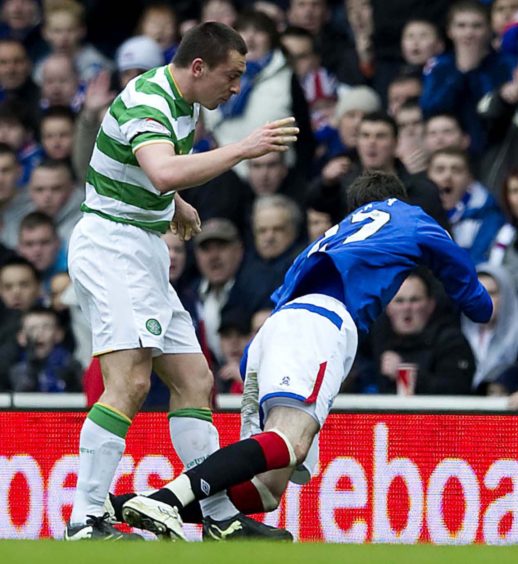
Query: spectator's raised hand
(98,94)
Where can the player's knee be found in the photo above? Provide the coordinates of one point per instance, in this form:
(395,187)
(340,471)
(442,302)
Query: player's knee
(139,388)
(297,446)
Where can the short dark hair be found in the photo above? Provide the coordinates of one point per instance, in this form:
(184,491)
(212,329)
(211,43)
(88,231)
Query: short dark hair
(210,41)
(426,278)
(452,152)
(374,186)
(18,260)
(467,6)
(6,149)
(260,22)
(63,112)
(55,164)
(448,115)
(37,219)
(40,309)
(382,117)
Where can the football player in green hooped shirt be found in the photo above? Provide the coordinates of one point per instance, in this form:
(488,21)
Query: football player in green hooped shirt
(119,264)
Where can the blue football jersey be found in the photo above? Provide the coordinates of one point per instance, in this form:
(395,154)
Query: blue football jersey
(364,259)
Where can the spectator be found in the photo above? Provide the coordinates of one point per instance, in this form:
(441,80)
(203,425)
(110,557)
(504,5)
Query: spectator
(494,344)
(320,86)
(64,30)
(219,252)
(274,11)
(403,87)
(222,11)
(234,334)
(444,130)
(60,84)
(44,365)
(456,82)
(276,227)
(135,56)
(53,192)
(20,20)
(420,41)
(17,130)
(57,128)
(159,22)
(15,77)
(20,289)
(258,318)
(15,203)
(341,144)
(473,212)
(268,76)
(39,243)
(377,143)
(411,150)
(321,214)
(410,333)
(337,51)
(504,251)
(502,13)
(499,111)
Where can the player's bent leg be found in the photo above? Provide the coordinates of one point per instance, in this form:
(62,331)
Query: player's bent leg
(190,420)
(298,427)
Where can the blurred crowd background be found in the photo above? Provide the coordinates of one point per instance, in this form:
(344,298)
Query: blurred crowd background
(426,90)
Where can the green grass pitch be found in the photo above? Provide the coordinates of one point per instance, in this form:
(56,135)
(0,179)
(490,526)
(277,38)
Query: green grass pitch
(55,552)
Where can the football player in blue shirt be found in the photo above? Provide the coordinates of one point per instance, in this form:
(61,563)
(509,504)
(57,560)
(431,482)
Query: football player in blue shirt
(298,360)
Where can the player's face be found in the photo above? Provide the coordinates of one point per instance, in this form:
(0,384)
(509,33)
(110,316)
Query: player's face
(411,308)
(419,42)
(376,145)
(218,261)
(274,232)
(512,195)
(50,189)
(219,84)
(441,132)
(19,288)
(452,176)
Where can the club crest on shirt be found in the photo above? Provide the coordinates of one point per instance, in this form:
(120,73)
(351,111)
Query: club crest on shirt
(153,326)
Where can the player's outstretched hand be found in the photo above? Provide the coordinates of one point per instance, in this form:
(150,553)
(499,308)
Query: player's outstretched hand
(186,222)
(275,136)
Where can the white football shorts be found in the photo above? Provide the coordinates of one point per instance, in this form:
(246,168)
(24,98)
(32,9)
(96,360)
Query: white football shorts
(121,276)
(299,359)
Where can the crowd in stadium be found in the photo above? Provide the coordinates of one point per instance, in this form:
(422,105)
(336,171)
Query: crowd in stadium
(425,90)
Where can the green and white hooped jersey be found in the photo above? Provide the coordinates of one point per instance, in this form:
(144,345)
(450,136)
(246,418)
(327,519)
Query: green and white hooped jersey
(150,109)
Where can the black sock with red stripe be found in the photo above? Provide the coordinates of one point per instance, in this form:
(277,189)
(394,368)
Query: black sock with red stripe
(238,463)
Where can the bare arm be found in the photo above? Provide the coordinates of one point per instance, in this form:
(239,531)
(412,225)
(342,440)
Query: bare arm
(168,171)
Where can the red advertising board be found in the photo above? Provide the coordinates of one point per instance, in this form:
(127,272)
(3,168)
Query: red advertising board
(401,478)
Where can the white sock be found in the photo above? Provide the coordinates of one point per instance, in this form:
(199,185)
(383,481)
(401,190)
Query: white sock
(194,440)
(100,452)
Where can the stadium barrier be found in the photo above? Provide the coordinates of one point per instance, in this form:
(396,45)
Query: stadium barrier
(398,470)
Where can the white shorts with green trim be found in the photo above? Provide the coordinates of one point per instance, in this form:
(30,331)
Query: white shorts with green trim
(121,276)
